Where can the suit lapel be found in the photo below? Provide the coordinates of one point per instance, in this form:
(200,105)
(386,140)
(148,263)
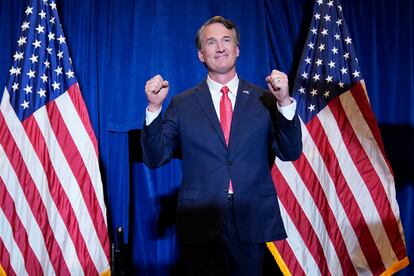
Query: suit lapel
(203,96)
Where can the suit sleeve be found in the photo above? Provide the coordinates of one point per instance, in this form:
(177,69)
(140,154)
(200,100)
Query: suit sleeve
(287,144)
(160,138)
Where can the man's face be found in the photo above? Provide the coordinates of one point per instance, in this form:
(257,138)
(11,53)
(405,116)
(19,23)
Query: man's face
(219,50)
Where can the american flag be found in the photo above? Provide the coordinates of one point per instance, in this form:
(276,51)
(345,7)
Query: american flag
(52,212)
(338,199)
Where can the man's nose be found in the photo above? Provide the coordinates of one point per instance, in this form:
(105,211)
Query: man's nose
(220,47)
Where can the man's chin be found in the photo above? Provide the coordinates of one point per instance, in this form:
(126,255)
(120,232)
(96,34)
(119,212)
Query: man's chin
(224,69)
(221,69)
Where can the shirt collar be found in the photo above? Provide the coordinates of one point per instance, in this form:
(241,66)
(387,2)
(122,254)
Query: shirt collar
(215,87)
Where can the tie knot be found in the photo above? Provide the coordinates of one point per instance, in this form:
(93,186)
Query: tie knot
(224,90)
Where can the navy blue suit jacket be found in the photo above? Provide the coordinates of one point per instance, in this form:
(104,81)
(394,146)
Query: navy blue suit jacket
(258,131)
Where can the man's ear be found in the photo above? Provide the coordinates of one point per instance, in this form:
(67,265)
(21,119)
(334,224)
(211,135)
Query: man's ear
(237,51)
(200,55)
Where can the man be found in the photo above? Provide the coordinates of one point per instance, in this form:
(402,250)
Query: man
(227,207)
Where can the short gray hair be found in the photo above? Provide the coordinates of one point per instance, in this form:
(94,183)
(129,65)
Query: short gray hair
(218,19)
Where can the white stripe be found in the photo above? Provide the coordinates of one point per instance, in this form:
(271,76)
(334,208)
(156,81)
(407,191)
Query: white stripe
(83,144)
(317,164)
(34,234)
(6,235)
(72,190)
(299,249)
(35,168)
(371,148)
(308,205)
(354,180)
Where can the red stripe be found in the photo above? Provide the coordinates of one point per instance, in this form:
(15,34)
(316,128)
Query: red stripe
(79,104)
(371,179)
(30,190)
(60,198)
(345,196)
(358,93)
(300,220)
(289,258)
(314,187)
(5,260)
(32,264)
(78,168)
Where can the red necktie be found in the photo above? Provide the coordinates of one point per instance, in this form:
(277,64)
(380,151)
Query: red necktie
(226,114)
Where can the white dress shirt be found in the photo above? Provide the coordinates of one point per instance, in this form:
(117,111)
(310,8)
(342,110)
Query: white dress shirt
(214,87)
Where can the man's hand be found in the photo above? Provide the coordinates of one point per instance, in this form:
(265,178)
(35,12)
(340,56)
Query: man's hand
(156,90)
(278,84)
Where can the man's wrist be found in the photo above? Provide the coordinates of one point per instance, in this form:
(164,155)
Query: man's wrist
(154,108)
(284,102)
(289,110)
(151,115)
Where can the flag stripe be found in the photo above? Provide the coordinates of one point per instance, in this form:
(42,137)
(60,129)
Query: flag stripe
(49,157)
(36,240)
(5,259)
(316,166)
(84,139)
(385,196)
(294,239)
(30,190)
(320,201)
(370,194)
(55,221)
(67,182)
(320,134)
(292,261)
(80,107)
(301,221)
(365,134)
(361,99)
(9,211)
(77,165)
(9,265)
(373,182)
(309,207)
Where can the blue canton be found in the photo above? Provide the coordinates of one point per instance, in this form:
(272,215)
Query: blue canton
(42,68)
(328,66)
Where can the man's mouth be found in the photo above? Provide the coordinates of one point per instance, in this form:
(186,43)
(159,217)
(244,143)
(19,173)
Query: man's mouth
(221,56)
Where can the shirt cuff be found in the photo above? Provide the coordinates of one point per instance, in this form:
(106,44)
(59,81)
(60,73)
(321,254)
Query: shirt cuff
(288,111)
(150,116)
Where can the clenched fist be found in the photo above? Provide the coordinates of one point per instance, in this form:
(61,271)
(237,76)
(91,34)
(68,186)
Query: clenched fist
(156,90)
(278,84)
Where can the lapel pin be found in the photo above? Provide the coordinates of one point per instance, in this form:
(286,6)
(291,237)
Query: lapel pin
(246,92)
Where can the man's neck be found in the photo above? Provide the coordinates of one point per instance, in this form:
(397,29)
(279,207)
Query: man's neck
(222,78)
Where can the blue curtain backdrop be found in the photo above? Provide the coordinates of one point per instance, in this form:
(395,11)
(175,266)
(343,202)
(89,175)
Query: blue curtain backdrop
(117,45)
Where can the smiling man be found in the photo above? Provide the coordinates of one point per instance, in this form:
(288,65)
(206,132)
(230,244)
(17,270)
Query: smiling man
(218,48)
(227,129)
